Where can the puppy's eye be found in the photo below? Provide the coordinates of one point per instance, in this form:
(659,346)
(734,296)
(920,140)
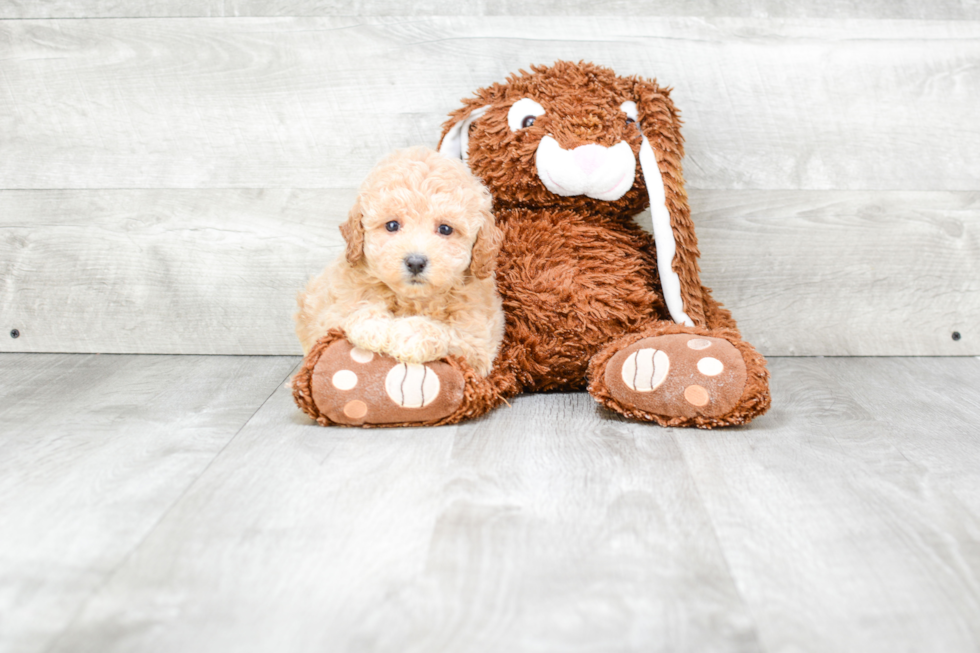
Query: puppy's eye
(445,229)
(527,122)
(392,226)
(630,121)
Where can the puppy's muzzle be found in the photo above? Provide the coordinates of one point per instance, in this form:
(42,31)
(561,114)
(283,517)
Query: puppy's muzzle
(416,264)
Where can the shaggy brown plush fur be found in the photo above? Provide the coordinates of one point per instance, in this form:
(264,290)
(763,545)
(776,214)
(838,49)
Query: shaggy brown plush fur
(583,106)
(577,276)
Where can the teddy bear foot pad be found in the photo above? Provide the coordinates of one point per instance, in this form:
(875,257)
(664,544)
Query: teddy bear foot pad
(678,375)
(354,387)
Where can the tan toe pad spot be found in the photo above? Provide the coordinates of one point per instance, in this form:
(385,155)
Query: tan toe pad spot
(355,409)
(696,395)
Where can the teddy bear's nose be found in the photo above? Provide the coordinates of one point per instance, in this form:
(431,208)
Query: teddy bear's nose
(416,263)
(589,157)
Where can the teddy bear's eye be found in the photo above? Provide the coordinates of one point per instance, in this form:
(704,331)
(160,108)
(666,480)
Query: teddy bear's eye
(523,113)
(629,108)
(445,229)
(392,226)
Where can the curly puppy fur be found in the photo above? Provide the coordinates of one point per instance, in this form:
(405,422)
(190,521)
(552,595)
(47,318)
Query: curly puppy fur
(417,279)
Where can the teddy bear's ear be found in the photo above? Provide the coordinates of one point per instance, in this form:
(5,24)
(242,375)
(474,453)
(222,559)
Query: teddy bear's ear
(353,233)
(673,230)
(456,140)
(484,258)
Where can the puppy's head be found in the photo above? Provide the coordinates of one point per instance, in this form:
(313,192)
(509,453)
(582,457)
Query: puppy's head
(421,224)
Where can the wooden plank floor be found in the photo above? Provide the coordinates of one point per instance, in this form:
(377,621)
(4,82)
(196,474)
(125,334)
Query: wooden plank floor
(176,503)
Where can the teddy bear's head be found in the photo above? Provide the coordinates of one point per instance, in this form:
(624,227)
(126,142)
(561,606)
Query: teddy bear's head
(577,136)
(569,135)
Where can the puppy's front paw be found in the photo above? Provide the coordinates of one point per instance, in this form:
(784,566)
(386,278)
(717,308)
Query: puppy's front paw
(371,334)
(417,340)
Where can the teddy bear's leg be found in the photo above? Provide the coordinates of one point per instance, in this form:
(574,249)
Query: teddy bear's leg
(717,316)
(681,376)
(344,385)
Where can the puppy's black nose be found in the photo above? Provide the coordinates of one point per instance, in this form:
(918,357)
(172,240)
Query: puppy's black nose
(416,263)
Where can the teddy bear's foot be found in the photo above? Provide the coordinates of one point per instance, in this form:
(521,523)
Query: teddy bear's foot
(342,384)
(684,379)
(678,375)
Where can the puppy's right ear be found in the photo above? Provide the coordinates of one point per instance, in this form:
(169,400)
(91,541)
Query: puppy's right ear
(353,233)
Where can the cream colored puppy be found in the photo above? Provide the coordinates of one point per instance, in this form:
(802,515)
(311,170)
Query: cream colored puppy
(417,279)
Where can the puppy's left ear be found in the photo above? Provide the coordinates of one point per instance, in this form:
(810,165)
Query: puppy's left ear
(353,233)
(484,258)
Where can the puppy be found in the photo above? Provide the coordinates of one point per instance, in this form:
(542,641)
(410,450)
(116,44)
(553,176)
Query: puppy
(417,280)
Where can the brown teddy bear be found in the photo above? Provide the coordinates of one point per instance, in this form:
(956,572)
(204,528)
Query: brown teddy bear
(571,153)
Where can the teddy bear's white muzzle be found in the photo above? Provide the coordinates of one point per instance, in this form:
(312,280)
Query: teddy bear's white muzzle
(602,173)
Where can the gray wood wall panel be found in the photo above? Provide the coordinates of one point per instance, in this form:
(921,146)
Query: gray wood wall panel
(216,271)
(311,102)
(934,10)
(161,271)
(94,451)
(544,527)
(198,167)
(843,272)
